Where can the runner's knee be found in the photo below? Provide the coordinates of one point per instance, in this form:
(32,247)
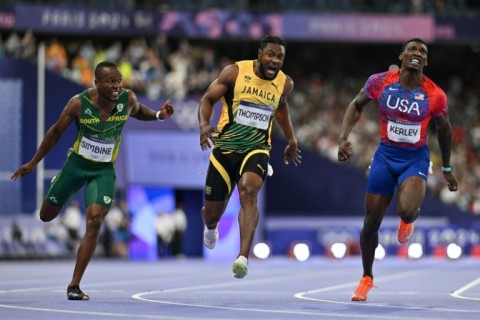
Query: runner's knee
(49,212)
(408,216)
(94,222)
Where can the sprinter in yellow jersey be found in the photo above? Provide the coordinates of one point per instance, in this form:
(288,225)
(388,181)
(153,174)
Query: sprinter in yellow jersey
(253,93)
(100,114)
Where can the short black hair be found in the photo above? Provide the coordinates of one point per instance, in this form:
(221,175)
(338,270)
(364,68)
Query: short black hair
(104,64)
(413,40)
(272,39)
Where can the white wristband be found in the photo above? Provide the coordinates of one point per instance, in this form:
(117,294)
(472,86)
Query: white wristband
(447,169)
(158,116)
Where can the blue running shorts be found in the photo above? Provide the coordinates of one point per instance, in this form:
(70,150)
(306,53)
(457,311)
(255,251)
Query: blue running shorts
(392,165)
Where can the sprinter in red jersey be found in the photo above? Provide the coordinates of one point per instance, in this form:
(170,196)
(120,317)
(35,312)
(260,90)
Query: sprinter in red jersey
(406,100)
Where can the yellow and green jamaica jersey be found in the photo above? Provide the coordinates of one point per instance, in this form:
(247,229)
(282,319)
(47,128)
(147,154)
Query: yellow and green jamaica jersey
(248,110)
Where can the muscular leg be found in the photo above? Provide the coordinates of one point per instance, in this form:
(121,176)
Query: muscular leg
(410,196)
(376,205)
(248,187)
(95,216)
(212,212)
(49,212)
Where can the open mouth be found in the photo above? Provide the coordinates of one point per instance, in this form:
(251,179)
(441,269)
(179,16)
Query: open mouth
(271,71)
(415,61)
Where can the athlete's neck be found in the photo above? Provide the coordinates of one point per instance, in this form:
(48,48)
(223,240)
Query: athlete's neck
(410,79)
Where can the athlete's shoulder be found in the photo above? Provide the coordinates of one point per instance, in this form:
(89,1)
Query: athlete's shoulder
(75,100)
(82,96)
(387,76)
(126,91)
(127,94)
(242,66)
(378,81)
(244,62)
(229,74)
(431,86)
(85,94)
(436,95)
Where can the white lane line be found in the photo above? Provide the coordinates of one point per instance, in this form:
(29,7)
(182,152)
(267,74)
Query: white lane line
(139,316)
(468,286)
(302,295)
(142,296)
(139,296)
(401,275)
(95,314)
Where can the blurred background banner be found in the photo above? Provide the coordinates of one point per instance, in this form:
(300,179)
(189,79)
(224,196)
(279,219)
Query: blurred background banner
(355,28)
(226,24)
(70,20)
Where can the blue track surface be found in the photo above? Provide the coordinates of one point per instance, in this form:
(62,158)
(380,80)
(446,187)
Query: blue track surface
(278,288)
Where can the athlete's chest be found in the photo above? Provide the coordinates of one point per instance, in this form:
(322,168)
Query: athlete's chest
(397,102)
(257,90)
(97,119)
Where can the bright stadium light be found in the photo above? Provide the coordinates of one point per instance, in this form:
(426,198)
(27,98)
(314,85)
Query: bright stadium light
(380,252)
(415,251)
(454,251)
(338,250)
(301,251)
(261,250)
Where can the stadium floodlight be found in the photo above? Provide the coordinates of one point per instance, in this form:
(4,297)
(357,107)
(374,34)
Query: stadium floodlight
(380,252)
(300,251)
(262,250)
(415,251)
(454,251)
(338,250)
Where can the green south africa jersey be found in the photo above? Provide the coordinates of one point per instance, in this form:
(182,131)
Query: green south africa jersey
(98,140)
(247,111)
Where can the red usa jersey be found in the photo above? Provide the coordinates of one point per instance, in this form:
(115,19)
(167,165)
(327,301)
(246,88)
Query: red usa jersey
(405,114)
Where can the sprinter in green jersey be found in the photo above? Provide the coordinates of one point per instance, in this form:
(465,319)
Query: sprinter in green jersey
(100,114)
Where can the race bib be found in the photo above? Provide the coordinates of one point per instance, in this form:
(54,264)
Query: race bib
(253,115)
(402,132)
(96,149)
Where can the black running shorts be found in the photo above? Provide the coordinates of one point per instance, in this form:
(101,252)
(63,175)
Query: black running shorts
(226,168)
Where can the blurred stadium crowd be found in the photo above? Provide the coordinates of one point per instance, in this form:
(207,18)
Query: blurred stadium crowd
(26,238)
